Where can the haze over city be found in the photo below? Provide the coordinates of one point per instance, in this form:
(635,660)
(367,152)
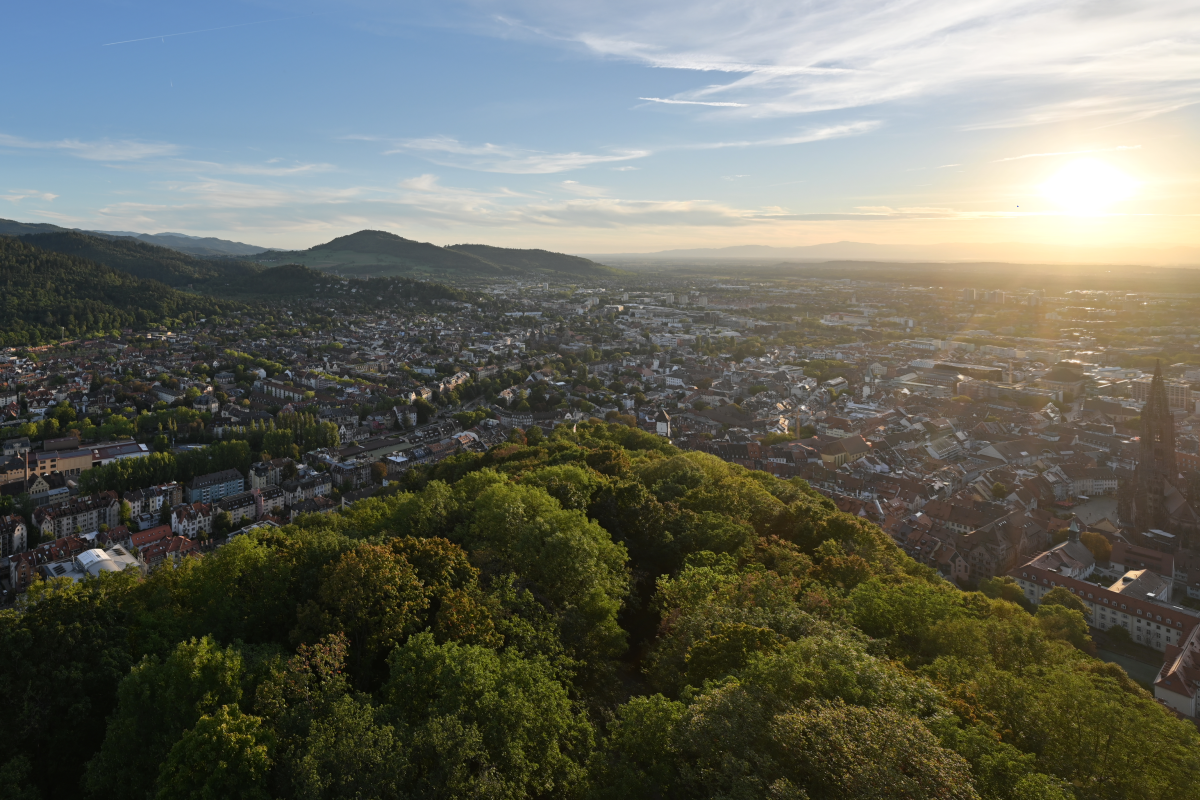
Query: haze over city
(613,127)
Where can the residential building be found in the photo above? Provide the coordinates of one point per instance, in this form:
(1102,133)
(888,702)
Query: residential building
(14,535)
(269,500)
(191,521)
(1178,681)
(307,488)
(215,485)
(84,515)
(350,474)
(168,549)
(240,506)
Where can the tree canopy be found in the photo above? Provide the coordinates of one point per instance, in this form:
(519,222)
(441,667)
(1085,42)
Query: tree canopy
(596,615)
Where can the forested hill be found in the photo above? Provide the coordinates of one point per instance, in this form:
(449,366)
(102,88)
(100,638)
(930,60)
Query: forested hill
(534,261)
(594,615)
(143,260)
(379,253)
(47,296)
(205,246)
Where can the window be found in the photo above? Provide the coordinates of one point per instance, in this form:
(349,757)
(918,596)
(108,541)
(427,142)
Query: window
(1089,595)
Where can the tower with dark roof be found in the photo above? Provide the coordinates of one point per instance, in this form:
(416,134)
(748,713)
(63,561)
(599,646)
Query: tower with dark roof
(1154,498)
(1156,467)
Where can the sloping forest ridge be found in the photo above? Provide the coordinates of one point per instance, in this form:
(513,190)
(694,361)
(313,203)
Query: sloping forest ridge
(590,615)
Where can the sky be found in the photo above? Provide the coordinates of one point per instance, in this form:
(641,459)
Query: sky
(605,127)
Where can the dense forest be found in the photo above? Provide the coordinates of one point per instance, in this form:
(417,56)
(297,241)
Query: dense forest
(537,261)
(100,285)
(47,296)
(381,253)
(142,260)
(592,614)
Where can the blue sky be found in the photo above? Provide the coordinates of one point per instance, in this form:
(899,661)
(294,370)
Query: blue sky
(607,126)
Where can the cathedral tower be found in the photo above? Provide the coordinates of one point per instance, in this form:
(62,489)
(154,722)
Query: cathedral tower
(1156,473)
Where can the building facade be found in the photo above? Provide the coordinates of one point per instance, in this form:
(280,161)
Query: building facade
(215,485)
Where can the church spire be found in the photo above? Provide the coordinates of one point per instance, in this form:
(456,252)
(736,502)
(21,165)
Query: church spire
(1156,457)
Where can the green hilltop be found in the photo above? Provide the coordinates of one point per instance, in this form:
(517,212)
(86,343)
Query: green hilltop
(47,296)
(533,261)
(379,253)
(588,615)
(69,285)
(141,259)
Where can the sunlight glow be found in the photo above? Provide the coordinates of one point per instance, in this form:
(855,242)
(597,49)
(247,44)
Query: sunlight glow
(1088,186)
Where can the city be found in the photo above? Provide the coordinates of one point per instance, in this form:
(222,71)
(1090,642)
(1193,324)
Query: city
(983,453)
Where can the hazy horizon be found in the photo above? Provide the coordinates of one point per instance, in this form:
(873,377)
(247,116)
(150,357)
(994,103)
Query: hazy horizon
(615,128)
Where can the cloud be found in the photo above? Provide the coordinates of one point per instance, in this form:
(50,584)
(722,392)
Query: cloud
(692,102)
(805,137)
(1015,61)
(1069,153)
(449,152)
(101,150)
(577,188)
(867,213)
(17,195)
(269,168)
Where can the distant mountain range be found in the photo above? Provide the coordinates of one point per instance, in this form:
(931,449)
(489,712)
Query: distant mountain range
(379,254)
(196,245)
(62,283)
(365,254)
(1011,252)
(204,246)
(50,295)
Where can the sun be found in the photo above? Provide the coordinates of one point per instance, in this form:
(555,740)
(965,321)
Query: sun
(1088,186)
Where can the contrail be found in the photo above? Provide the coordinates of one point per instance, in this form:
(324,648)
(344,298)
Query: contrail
(205,30)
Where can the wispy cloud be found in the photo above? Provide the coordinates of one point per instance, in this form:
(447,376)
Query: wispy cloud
(272,168)
(583,190)
(100,150)
(868,213)
(163,36)
(692,102)
(1068,153)
(804,137)
(1111,58)
(17,195)
(450,152)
